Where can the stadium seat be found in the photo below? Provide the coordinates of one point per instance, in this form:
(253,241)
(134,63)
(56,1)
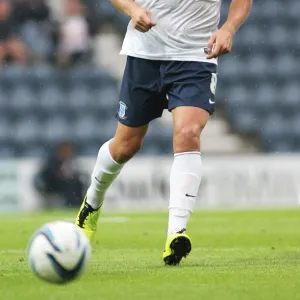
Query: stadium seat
(107,130)
(277,37)
(88,75)
(292,12)
(3,100)
(257,66)
(294,127)
(238,96)
(157,130)
(86,129)
(231,68)
(271,10)
(245,121)
(22,99)
(5,131)
(90,149)
(27,130)
(275,129)
(14,72)
(56,129)
(252,35)
(284,65)
(52,99)
(158,139)
(42,75)
(290,98)
(265,98)
(79,98)
(106,98)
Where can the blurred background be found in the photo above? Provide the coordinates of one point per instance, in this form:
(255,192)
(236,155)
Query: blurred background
(60,71)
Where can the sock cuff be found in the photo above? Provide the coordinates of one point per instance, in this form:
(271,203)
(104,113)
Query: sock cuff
(187,153)
(108,151)
(106,163)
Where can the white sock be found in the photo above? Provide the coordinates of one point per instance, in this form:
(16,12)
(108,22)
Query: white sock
(185,180)
(104,173)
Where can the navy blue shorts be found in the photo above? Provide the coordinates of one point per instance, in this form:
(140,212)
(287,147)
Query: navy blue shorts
(150,86)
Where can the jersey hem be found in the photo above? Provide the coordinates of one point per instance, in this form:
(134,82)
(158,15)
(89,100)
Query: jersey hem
(170,57)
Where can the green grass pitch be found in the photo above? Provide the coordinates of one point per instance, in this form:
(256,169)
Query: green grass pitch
(236,256)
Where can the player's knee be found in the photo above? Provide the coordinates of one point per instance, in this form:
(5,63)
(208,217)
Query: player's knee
(128,148)
(187,138)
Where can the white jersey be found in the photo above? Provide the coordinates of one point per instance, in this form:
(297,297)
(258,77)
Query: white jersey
(183,29)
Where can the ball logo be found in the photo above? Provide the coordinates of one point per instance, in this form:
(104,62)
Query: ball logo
(122,110)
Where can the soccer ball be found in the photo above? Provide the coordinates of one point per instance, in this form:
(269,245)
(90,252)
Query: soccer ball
(58,252)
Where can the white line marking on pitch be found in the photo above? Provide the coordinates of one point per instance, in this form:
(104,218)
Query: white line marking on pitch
(46,220)
(12,251)
(22,251)
(204,249)
(108,220)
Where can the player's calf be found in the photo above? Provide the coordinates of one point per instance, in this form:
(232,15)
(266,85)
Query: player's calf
(111,158)
(123,151)
(185,179)
(105,171)
(127,142)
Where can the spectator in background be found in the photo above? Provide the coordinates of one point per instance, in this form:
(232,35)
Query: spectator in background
(58,178)
(11,46)
(74,34)
(36,27)
(31,10)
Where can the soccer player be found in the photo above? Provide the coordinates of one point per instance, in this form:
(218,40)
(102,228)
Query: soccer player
(172,48)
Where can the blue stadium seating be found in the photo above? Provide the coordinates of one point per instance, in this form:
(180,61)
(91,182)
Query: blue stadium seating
(41,105)
(51,99)
(259,83)
(258,88)
(5,131)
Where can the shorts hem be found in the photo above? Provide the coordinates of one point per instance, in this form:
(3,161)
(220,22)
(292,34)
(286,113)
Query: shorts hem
(209,110)
(129,123)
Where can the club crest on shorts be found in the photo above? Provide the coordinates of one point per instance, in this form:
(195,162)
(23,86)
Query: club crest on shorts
(122,110)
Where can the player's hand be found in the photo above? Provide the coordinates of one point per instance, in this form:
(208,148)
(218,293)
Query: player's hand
(220,42)
(141,19)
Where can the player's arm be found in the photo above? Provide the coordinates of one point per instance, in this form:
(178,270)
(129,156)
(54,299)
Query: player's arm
(141,17)
(221,41)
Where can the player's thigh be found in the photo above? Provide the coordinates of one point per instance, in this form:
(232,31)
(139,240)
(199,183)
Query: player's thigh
(188,123)
(140,99)
(192,84)
(191,92)
(189,120)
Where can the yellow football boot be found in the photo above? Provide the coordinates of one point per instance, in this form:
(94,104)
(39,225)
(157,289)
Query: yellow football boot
(178,245)
(87,219)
